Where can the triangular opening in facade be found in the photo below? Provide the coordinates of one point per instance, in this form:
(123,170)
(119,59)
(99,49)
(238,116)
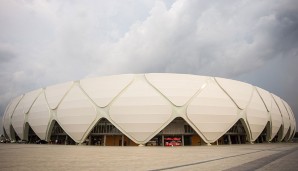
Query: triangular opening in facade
(292,135)
(264,136)
(14,135)
(104,133)
(5,134)
(30,135)
(278,135)
(237,134)
(287,135)
(58,135)
(177,133)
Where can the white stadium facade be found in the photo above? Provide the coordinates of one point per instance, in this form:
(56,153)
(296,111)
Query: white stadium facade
(150,109)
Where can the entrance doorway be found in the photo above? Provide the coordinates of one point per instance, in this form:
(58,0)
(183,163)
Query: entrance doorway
(14,135)
(264,136)
(287,135)
(177,133)
(105,133)
(59,136)
(275,138)
(235,135)
(32,137)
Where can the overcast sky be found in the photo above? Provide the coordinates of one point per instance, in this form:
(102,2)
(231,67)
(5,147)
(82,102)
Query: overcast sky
(49,42)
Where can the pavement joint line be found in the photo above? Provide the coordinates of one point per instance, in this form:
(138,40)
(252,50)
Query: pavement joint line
(211,160)
(259,163)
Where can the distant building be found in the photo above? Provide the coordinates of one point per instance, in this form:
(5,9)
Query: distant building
(150,109)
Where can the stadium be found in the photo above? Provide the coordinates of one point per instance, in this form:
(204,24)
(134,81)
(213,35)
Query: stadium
(154,109)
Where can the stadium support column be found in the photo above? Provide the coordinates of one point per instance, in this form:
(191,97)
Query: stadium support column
(162,140)
(66,139)
(182,140)
(104,140)
(122,140)
(229,138)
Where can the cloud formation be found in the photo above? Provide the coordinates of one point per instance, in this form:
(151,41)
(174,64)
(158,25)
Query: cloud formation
(216,38)
(47,42)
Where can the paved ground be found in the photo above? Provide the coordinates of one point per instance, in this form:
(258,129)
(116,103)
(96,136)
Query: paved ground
(283,156)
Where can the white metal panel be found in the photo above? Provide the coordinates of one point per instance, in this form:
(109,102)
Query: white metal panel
(5,122)
(240,92)
(289,111)
(294,122)
(212,112)
(103,90)
(76,113)
(284,113)
(9,112)
(294,129)
(29,98)
(257,115)
(2,120)
(276,119)
(266,97)
(293,119)
(178,88)
(39,116)
(140,110)
(18,119)
(55,93)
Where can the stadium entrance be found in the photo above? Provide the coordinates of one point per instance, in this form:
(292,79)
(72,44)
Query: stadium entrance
(59,136)
(264,136)
(235,135)
(177,133)
(105,133)
(278,136)
(14,135)
(31,135)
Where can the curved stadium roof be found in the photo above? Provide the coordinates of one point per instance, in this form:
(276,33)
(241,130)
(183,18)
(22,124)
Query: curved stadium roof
(141,105)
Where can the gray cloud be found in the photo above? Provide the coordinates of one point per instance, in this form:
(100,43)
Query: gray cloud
(213,39)
(6,55)
(47,42)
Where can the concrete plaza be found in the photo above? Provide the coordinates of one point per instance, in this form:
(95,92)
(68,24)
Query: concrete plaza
(279,156)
